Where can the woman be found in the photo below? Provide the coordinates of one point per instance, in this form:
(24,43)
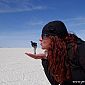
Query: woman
(62,53)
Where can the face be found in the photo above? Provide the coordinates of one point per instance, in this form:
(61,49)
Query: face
(45,42)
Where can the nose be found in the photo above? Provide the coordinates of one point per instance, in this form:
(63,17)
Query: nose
(40,39)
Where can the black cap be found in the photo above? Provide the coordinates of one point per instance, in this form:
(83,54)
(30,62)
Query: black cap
(55,28)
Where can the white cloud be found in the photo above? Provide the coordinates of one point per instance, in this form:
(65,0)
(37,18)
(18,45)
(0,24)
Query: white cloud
(18,6)
(35,23)
(81,34)
(76,21)
(76,26)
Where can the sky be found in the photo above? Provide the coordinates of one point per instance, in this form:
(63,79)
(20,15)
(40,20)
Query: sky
(21,21)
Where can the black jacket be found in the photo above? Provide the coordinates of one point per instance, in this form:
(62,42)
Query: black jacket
(78,64)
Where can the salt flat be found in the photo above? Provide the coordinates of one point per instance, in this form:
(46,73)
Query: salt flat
(16,68)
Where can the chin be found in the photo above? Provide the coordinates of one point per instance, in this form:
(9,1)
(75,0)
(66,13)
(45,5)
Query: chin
(43,48)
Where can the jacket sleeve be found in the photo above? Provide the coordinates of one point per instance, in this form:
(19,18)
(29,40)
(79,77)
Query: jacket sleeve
(82,55)
(47,73)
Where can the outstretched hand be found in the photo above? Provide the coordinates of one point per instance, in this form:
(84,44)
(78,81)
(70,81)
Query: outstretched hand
(36,56)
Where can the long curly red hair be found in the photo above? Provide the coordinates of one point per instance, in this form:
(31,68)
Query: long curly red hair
(58,61)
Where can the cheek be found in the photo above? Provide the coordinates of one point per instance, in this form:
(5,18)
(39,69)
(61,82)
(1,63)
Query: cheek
(46,44)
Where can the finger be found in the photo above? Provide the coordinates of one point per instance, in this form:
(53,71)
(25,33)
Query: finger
(27,53)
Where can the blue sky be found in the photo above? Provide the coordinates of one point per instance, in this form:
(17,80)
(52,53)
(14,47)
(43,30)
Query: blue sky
(22,20)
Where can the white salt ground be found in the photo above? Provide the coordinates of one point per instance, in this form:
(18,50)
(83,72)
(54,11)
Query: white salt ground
(16,68)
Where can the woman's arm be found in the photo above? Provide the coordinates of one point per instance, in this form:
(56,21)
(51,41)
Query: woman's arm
(36,56)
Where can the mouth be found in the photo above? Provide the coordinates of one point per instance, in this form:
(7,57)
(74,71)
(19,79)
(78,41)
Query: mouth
(41,44)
